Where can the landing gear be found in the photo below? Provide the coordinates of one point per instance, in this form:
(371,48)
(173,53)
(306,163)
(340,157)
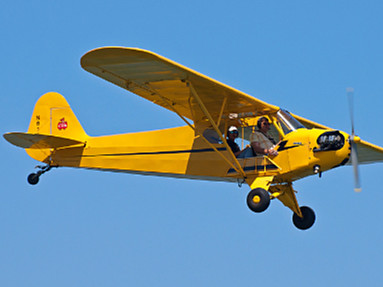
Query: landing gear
(33,178)
(258,200)
(306,221)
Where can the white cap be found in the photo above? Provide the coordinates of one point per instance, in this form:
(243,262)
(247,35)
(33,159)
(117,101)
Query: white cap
(232,129)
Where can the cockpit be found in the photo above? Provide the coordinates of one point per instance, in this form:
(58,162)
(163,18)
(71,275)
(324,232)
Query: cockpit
(282,123)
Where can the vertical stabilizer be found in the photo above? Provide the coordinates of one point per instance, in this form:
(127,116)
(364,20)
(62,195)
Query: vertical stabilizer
(52,115)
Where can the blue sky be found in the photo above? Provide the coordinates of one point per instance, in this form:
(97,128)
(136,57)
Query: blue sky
(87,228)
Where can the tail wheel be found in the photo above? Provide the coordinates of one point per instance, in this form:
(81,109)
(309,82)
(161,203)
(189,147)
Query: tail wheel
(306,221)
(33,178)
(258,200)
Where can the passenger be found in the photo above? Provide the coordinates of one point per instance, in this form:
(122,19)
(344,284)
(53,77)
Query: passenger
(261,141)
(232,134)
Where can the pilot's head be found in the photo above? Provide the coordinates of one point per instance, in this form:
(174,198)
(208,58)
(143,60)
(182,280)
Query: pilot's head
(232,132)
(263,124)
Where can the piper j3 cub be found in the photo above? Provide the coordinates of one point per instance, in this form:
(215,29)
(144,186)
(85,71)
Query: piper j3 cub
(200,149)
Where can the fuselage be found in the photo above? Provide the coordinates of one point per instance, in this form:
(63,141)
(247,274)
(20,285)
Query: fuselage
(179,152)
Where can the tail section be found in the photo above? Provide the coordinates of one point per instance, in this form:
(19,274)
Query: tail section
(53,116)
(38,141)
(53,126)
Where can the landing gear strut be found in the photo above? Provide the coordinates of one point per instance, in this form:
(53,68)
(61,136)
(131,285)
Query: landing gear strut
(33,178)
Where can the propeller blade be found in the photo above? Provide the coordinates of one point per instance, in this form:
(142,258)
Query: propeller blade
(354,161)
(354,149)
(350,95)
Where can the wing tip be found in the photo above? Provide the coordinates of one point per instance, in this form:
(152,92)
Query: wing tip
(88,57)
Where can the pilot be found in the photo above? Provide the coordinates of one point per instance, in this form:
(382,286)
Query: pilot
(232,134)
(261,141)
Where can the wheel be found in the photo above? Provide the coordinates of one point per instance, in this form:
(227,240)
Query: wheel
(33,178)
(258,200)
(308,218)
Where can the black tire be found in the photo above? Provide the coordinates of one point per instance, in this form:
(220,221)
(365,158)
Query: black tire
(308,218)
(262,201)
(33,178)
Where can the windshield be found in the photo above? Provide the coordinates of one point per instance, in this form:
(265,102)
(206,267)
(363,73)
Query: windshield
(288,122)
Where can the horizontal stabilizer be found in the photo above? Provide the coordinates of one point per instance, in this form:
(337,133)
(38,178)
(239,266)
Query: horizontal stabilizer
(39,141)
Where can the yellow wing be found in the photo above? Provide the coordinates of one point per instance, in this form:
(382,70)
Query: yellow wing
(310,124)
(163,81)
(368,153)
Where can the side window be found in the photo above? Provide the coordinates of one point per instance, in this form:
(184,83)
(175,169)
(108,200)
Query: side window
(212,136)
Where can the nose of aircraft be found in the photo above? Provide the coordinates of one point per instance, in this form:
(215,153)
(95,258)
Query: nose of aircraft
(329,149)
(330,141)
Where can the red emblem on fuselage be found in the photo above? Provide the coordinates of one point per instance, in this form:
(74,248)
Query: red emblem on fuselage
(62,125)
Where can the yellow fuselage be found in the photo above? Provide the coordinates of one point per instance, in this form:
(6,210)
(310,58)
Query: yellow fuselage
(178,152)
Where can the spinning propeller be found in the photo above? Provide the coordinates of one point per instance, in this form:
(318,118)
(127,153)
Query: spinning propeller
(353,140)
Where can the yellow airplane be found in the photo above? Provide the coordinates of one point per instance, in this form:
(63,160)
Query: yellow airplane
(198,150)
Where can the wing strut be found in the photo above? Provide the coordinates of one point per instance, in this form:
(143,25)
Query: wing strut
(209,143)
(237,167)
(221,112)
(212,122)
(171,107)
